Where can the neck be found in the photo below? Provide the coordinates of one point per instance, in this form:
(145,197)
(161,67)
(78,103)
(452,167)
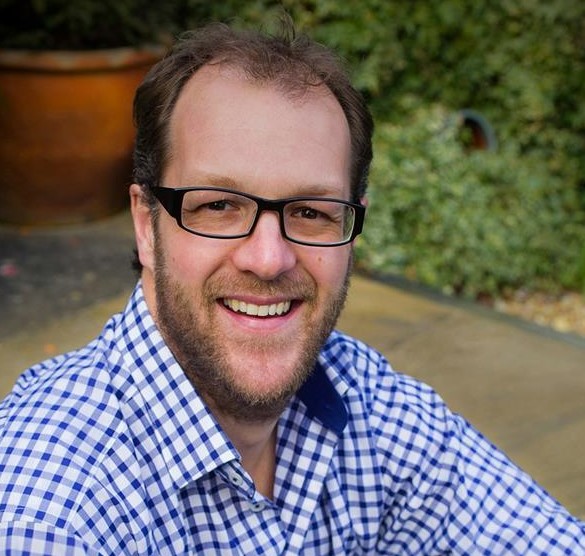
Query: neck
(256,443)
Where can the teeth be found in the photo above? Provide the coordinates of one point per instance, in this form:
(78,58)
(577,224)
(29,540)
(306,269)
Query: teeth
(257,310)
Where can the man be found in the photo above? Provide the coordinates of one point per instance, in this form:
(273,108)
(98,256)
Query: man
(220,413)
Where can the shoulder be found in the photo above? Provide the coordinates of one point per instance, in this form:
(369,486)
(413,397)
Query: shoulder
(66,404)
(59,430)
(397,409)
(65,392)
(429,461)
(367,374)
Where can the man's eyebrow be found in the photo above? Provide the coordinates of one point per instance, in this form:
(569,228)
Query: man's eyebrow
(216,180)
(318,190)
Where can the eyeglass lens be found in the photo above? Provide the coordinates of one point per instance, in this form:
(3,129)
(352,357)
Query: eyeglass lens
(226,214)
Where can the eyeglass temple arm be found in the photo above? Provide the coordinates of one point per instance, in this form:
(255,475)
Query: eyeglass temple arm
(360,213)
(169,199)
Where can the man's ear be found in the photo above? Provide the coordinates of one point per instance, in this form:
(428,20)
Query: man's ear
(143,227)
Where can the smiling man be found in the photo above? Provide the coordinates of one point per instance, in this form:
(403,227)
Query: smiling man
(246,300)
(221,413)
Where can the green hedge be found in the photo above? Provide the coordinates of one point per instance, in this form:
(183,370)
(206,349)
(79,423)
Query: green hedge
(469,223)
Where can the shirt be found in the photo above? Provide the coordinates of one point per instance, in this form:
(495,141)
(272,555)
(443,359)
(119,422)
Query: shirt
(109,450)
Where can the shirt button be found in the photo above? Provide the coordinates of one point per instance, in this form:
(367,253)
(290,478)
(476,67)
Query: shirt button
(235,478)
(257,506)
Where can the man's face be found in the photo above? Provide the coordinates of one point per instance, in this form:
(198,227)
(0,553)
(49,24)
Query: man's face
(228,132)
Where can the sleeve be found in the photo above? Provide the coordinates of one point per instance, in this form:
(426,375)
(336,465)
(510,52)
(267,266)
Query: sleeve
(497,508)
(465,497)
(35,538)
(449,490)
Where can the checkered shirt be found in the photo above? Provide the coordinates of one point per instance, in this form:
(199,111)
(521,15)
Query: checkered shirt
(110,451)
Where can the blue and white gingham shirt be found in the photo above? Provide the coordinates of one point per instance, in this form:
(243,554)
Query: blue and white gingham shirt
(109,450)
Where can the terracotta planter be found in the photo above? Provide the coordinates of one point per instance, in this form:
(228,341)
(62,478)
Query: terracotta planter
(67,133)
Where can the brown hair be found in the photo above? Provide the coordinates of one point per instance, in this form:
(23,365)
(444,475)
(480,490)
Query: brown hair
(292,62)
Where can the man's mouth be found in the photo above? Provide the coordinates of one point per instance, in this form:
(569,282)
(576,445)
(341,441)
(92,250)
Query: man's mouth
(253,310)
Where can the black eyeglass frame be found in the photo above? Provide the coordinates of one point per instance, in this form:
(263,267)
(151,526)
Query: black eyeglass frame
(171,198)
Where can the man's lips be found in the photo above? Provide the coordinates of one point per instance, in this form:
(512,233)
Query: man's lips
(254,310)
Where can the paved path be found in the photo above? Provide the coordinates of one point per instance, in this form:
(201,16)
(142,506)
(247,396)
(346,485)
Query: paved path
(521,386)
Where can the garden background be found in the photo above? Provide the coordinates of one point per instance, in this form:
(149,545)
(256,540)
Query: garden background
(500,224)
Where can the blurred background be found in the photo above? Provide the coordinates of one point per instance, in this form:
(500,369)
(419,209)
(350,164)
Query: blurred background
(478,184)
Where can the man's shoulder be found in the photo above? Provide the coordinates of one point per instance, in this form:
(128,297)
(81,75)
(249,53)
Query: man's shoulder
(70,378)
(65,366)
(69,394)
(386,396)
(68,403)
(366,369)
(59,428)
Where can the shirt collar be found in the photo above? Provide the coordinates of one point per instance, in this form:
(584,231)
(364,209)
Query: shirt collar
(323,401)
(189,438)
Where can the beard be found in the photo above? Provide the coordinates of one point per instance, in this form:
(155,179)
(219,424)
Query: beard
(201,348)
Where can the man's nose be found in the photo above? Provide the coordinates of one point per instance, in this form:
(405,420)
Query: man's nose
(265,252)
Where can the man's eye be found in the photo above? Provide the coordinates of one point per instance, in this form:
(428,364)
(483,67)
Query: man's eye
(311,213)
(308,213)
(213,206)
(216,205)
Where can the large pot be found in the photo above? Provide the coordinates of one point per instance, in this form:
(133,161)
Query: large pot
(66,133)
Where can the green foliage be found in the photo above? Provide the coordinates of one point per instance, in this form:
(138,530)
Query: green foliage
(470,224)
(87,24)
(521,63)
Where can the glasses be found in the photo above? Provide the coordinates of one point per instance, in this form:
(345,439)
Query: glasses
(221,213)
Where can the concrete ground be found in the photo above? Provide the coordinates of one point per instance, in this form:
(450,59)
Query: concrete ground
(521,385)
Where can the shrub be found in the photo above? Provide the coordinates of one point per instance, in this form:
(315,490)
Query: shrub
(87,24)
(468,223)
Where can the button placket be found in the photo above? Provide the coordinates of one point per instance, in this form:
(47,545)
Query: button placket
(251,499)
(258,528)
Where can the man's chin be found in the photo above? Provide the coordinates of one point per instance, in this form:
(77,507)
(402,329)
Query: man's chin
(264,386)
(251,405)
